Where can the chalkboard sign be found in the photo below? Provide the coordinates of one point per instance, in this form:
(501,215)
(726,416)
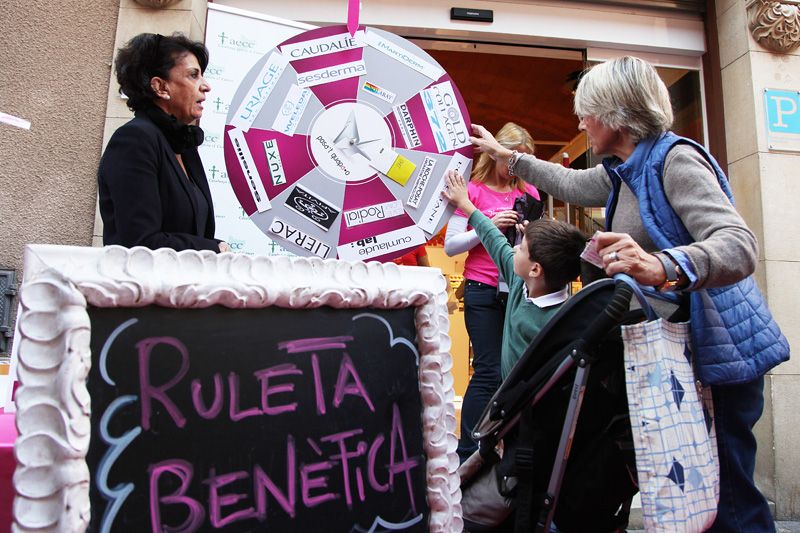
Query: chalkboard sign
(238,418)
(189,391)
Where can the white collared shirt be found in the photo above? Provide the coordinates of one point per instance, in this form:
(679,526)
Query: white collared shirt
(548,300)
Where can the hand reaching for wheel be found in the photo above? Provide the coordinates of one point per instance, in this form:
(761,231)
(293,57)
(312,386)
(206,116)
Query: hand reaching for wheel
(456,192)
(484,141)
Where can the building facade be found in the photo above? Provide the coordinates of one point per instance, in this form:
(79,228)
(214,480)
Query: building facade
(56,73)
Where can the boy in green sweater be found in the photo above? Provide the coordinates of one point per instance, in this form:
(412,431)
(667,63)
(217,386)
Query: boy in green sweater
(537,270)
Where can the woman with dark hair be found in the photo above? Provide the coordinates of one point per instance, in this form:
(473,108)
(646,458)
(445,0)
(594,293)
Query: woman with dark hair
(152,186)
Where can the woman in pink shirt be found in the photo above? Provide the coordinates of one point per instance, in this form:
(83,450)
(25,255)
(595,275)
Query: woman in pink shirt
(493,192)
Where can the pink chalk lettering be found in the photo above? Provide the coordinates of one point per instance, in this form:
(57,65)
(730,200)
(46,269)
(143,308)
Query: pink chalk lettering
(308,483)
(373,451)
(217,502)
(356,387)
(233,389)
(262,481)
(184,471)
(314,446)
(315,344)
(320,398)
(268,390)
(197,398)
(360,484)
(344,455)
(147,391)
(406,465)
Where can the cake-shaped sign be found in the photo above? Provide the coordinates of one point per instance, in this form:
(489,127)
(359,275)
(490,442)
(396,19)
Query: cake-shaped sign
(337,144)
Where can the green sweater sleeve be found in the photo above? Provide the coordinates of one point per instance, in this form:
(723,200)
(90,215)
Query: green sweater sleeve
(495,243)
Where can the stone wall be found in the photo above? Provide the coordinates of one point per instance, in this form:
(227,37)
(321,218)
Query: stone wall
(767,191)
(54,72)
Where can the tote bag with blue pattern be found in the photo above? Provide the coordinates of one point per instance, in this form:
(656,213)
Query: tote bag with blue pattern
(673,428)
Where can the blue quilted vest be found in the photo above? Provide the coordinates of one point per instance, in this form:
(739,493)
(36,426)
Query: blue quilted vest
(734,336)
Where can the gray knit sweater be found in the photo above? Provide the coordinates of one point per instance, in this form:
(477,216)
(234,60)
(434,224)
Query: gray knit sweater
(725,250)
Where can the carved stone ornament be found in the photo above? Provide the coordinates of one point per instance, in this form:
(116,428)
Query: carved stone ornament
(53,404)
(156,4)
(775,24)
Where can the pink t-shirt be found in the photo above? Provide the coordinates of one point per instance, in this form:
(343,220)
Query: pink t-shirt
(479,266)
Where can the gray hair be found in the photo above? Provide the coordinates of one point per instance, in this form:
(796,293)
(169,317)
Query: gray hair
(625,92)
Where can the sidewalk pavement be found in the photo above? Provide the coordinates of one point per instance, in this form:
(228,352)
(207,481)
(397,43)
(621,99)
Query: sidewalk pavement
(783,526)
(635,521)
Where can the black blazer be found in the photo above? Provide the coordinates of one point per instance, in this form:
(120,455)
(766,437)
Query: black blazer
(145,198)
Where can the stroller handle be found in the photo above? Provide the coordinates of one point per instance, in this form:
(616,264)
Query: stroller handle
(612,314)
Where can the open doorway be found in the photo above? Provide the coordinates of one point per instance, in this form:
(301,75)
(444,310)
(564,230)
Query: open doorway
(531,86)
(534,87)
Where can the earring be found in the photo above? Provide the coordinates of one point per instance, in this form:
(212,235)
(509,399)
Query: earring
(166,97)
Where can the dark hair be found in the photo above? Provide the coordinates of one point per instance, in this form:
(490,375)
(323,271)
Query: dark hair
(148,55)
(557,246)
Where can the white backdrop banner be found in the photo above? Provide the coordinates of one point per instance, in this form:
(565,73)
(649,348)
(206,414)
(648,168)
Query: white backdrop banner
(236,39)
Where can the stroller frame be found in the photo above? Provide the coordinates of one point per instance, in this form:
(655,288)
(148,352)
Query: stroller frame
(506,408)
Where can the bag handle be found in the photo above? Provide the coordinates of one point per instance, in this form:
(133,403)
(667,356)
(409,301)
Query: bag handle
(640,291)
(637,290)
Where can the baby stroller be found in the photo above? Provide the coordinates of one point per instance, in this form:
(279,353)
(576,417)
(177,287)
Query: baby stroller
(562,418)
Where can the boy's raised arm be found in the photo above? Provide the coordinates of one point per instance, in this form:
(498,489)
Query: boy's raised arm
(456,193)
(492,239)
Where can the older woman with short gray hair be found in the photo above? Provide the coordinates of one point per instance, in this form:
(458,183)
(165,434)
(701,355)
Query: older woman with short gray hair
(672,224)
(626,93)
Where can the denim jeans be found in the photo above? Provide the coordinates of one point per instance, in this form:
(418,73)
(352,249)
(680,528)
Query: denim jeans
(741,506)
(484,311)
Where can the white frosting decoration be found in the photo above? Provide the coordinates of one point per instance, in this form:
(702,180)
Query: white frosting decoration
(53,406)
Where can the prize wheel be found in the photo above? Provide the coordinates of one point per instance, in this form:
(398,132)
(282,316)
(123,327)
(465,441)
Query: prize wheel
(337,145)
